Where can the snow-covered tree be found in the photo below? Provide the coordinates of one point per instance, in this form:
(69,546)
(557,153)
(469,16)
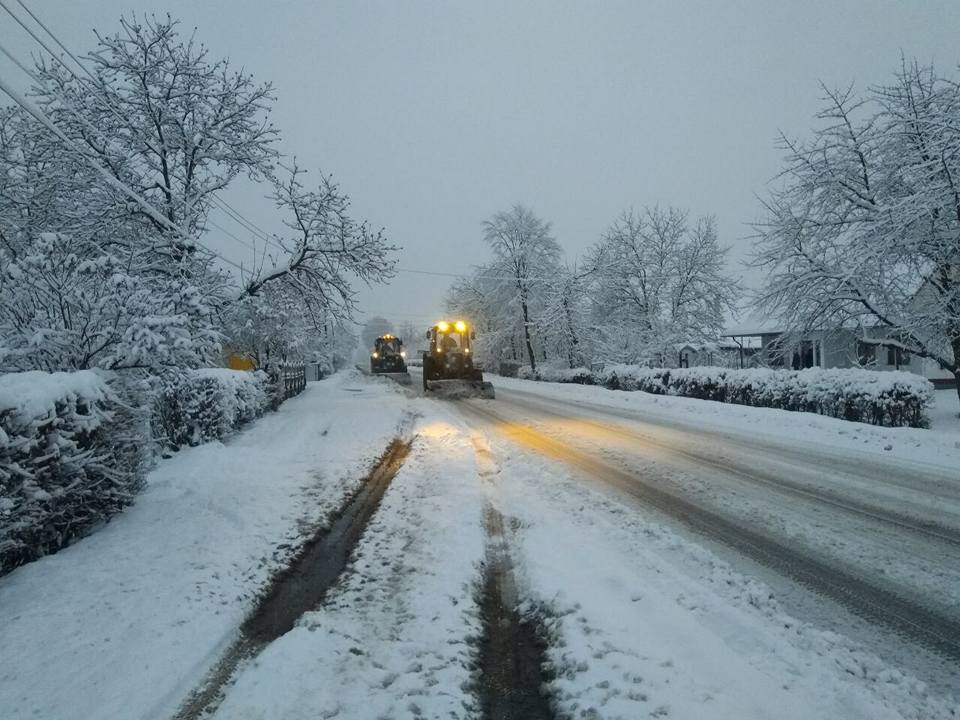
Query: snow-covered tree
(165,119)
(863,230)
(658,281)
(69,303)
(91,275)
(526,259)
(172,127)
(82,283)
(323,250)
(334,347)
(270,326)
(564,322)
(412,335)
(484,299)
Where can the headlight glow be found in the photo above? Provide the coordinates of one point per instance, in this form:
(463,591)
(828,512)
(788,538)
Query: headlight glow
(443,326)
(461,326)
(375,355)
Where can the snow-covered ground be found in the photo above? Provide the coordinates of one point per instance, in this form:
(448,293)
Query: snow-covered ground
(945,413)
(640,621)
(124,623)
(395,638)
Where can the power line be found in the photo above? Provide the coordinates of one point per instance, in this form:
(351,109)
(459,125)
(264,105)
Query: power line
(511,278)
(39,22)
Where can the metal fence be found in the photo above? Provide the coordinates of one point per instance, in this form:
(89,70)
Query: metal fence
(291,379)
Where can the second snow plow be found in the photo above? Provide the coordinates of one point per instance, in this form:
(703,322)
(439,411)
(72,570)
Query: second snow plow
(448,367)
(389,358)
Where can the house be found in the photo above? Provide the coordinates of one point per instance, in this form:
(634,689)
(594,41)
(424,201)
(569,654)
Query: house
(722,353)
(775,347)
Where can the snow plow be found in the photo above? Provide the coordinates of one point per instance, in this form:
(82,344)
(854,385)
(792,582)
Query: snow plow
(448,367)
(389,358)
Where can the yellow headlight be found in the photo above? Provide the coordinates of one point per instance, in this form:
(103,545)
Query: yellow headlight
(374,355)
(443,327)
(461,326)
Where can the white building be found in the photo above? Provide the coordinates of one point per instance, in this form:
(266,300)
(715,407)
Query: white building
(773,346)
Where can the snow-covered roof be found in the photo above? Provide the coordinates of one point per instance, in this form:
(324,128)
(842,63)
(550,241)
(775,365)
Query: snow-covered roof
(706,346)
(753,326)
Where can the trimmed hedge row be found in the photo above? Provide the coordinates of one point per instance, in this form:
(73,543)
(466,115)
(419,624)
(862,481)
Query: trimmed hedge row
(891,399)
(198,406)
(69,459)
(74,446)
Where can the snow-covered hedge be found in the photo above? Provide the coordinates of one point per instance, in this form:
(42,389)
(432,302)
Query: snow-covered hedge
(893,399)
(197,406)
(509,368)
(580,376)
(67,460)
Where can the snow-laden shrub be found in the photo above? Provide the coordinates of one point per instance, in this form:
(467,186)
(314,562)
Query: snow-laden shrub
(197,406)
(893,399)
(68,460)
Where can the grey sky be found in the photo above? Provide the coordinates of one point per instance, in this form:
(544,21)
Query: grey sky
(435,115)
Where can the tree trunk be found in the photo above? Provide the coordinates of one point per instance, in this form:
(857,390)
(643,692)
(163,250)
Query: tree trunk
(526,335)
(572,352)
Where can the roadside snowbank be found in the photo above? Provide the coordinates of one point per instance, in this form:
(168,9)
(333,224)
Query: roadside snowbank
(124,623)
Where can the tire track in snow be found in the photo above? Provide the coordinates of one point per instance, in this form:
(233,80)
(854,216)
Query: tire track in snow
(302,586)
(512,655)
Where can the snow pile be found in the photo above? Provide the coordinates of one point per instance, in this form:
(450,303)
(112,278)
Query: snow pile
(65,464)
(891,399)
(198,406)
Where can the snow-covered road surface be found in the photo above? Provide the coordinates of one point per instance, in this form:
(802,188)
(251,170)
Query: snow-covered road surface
(892,521)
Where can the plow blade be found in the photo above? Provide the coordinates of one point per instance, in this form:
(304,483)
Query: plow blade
(399,377)
(460,389)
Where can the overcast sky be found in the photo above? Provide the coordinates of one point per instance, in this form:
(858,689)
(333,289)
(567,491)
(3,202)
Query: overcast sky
(435,115)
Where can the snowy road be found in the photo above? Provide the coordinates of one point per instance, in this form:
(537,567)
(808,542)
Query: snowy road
(830,527)
(887,548)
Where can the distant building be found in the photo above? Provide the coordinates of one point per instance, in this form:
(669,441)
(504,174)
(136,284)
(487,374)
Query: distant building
(775,347)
